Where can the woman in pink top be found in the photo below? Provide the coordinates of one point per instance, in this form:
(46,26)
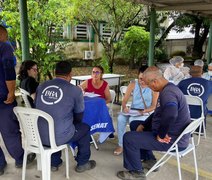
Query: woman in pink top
(97,85)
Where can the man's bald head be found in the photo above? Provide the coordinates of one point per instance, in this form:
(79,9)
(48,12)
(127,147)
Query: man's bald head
(3,34)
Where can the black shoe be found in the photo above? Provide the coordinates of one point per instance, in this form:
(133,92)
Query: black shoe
(55,168)
(148,164)
(30,158)
(2,169)
(111,136)
(89,165)
(131,175)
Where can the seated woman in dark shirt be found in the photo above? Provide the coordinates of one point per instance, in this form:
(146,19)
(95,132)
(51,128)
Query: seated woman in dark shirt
(27,75)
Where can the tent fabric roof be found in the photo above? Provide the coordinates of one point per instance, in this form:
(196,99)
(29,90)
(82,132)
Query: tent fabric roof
(199,7)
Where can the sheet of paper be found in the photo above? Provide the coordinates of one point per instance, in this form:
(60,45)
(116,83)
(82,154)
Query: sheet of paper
(88,94)
(132,113)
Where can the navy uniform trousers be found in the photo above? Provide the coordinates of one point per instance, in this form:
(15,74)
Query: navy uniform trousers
(10,132)
(139,145)
(81,139)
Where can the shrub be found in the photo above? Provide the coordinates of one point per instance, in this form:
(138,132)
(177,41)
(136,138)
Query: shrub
(178,53)
(161,55)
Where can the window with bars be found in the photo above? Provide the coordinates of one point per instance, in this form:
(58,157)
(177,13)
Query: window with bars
(82,32)
(105,31)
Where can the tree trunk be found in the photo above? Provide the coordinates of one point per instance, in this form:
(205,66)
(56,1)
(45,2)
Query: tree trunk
(111,65)
(110,53)
(199,39)
(49,75)
(132,62)
(166,32)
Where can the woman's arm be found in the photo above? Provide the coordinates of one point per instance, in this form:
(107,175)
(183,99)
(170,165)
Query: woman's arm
(84,85)
(154,102)
(107,95)
(127,95)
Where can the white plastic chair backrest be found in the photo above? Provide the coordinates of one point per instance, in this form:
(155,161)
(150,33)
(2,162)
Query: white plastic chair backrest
(113,95)
(195,101)
(28,119)
(123,90)
(25,95)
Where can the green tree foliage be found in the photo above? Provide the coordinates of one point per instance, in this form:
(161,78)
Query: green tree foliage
(46,19)
(118,14)
(135,45)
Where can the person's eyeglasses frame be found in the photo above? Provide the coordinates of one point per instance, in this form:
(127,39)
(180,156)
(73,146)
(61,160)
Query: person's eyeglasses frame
(96,72)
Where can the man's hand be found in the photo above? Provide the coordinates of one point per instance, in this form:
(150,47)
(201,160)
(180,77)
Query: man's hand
(11,92)
(140,128)
(10,98)
(166,140)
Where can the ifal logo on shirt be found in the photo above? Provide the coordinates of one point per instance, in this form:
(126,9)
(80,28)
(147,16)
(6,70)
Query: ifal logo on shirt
(195,89)
(51,95)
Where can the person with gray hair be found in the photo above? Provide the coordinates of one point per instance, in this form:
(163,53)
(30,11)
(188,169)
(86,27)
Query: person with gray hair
(199,62)
(176,72)
(208,75)
(159,131)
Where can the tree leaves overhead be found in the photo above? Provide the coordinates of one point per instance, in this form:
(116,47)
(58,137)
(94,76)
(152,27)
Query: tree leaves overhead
(45,21)
(115,12)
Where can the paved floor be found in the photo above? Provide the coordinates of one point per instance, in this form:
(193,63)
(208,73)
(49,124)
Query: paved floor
(108,164)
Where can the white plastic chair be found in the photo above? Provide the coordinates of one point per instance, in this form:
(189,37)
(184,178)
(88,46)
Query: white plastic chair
(123,90)
(25,95)
(113,96)
(28,119)
(173,150)
(195,100)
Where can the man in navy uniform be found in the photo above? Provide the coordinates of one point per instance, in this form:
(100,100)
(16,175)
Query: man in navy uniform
(64,102)
(196,86)
(160,131)
(9,126)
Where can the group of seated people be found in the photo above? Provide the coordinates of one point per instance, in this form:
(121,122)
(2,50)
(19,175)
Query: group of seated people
(162,106)
(64,97)
(190,81)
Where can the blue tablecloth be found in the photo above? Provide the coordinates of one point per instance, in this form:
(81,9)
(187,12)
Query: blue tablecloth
(96,115)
